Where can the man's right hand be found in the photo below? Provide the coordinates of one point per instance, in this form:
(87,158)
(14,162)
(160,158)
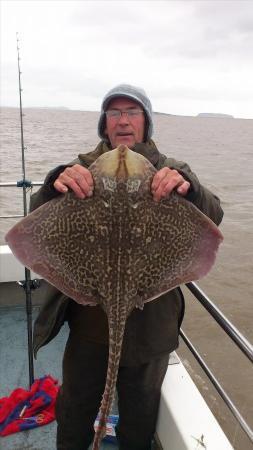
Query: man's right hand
(78,179)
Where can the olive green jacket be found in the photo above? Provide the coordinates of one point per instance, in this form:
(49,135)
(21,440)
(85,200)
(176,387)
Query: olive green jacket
(154,330)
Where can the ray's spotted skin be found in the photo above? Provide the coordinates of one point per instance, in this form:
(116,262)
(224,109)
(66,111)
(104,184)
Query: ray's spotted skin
(118,248)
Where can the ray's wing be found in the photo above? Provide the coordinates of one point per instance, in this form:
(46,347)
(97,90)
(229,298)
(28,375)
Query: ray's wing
(173,243)
(61,242)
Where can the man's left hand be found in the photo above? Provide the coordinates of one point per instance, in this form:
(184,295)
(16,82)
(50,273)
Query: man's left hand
(166,180)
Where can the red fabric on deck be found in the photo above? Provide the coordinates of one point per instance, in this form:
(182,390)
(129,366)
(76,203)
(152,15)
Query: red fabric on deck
(25,409)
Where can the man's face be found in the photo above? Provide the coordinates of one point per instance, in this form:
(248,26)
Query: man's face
(128,130)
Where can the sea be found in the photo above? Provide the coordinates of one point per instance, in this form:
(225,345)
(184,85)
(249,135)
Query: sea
(220,151)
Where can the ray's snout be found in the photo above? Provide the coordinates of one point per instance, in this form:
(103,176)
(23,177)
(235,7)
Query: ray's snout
(122,150)
(122,163)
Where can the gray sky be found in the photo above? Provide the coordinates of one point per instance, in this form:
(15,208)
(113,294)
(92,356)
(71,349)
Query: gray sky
(190,56)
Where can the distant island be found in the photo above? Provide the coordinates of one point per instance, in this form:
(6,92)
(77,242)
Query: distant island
(51,107)
(157,113)
(163,114)
(218,115)
(215,115)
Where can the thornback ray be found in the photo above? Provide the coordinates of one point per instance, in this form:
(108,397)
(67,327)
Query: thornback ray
(118,248)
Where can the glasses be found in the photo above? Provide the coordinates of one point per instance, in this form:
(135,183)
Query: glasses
(117,113)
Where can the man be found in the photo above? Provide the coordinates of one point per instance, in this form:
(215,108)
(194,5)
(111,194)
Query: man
(151,334)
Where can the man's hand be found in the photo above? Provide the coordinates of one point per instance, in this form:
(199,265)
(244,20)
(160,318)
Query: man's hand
(165,180)
(77,178)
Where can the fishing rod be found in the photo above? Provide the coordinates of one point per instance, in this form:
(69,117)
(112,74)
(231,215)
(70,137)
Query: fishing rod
(27,284)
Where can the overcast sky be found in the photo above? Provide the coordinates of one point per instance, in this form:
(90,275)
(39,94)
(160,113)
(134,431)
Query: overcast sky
(189,56)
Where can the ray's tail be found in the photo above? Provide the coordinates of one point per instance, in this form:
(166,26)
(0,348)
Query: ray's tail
(115,344)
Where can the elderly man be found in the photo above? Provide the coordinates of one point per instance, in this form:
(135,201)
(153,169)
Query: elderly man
(151,334)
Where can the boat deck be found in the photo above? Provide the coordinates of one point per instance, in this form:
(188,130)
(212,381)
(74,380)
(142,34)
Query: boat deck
(14,373)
